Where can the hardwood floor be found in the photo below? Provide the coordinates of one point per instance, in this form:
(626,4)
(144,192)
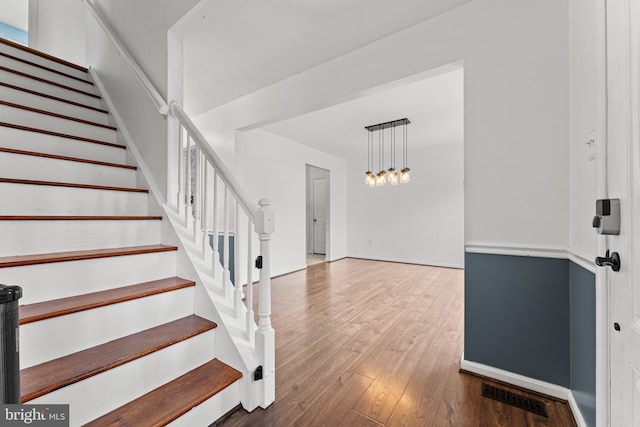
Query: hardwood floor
(368,343)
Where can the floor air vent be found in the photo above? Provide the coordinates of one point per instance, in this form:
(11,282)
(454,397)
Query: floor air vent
(513,399)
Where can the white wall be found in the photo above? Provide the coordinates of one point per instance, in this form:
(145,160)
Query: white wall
(420,222)
(274,167)
(584,126)
(516,109)
(58,28)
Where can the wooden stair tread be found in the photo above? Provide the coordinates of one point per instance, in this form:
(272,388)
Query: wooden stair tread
(67,158)
(79,218)
(56,115)
(174,399)
(61,135)
(72,185)
(55,98)
(63,306)
(42,67)
(49,82)
(52,375)
(22,260)
(42,54)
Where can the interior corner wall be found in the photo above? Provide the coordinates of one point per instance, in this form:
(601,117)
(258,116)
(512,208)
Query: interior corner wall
(421,222)
(515,108)
(273,167)
(58,28)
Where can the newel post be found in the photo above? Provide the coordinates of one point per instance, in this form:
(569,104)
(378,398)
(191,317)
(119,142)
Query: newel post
(265,335)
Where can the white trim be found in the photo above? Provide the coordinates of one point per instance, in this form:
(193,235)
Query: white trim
(153,93)
(582,261)
(499,249)
(527,383)
(133,148)
(575,410)
(516,379)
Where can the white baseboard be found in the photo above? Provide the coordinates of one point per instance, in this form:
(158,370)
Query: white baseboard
(527,383)
(515,379)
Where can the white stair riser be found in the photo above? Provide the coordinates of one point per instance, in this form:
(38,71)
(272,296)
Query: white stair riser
(43,121)
(44,282)
(97,395)
(212,409)
(49,89)
(46,74)
(29,237)
(43,103)
(43,143)
(28,199)
(42,61)
(23,166)
(85,329)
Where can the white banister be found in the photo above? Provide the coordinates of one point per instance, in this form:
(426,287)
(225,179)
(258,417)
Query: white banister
(233,209)
(152,92)
(202,180)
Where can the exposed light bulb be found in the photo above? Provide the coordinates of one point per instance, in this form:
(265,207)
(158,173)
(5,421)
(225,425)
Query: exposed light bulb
(393,176)
(405,177)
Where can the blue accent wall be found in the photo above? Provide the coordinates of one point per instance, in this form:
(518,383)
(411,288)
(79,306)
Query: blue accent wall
(13,33)
(517,315)
(583,341)
(221,252)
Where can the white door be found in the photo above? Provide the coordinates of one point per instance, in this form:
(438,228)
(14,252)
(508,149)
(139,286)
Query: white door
(319,215)
(623,182)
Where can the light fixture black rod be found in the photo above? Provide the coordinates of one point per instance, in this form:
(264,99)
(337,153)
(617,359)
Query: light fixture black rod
(386,125)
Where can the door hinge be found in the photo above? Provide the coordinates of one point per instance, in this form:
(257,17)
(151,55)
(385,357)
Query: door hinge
(257,374)
(259,261)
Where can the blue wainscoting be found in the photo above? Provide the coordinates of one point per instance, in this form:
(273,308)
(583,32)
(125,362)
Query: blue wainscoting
(517,315)
(221,252)
(583,341)
(13,33)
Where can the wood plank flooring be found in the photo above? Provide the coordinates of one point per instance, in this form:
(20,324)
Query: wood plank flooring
(368,343)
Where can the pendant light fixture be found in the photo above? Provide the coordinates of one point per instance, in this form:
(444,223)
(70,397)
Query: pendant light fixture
(381,178)
(405,177)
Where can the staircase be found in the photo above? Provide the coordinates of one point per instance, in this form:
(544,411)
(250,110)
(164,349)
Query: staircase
(105,324)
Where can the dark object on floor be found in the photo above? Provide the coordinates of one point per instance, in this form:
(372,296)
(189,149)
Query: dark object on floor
(513,399)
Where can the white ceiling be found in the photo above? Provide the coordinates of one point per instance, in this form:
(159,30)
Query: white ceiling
(235,47)
(434,106)
(15,13)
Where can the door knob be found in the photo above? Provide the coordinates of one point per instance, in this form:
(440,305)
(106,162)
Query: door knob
(612,261)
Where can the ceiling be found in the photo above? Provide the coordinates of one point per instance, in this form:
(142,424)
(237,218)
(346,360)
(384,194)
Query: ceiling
(433,105)
(15,13)
(233,48)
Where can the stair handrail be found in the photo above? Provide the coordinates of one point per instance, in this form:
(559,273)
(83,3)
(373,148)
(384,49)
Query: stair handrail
(150,89)
(213,158)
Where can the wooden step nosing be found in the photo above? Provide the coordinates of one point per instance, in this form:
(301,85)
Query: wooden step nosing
(55,257)
(218,375)
(72,185)
(80,217)
(99,299)
(49,82)
(42,67)
(53,98)
(116,361)
(43,55)
(56,115)
(65,158)
(62,135)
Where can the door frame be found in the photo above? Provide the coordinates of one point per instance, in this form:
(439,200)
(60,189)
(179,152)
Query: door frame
(326,173)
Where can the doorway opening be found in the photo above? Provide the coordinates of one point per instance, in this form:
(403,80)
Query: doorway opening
(317,219)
